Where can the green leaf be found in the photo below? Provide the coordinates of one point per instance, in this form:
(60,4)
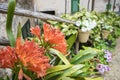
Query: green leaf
(53,76)
(11,8)
(67,78)
(85,58)
(60,55)
(58,68)
(19,31)
(70,71)
(76,73)
(71,40)
(84,55)
(98,78)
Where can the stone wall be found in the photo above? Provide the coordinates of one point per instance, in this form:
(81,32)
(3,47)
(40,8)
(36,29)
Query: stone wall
(59,5)
(25,4)
(53,5)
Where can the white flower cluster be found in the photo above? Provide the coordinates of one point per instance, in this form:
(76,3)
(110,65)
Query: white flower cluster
(86,25)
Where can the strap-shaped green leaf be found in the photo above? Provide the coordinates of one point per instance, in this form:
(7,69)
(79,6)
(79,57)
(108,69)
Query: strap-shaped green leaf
(60,55)
(11,8)
(85,58)
(75,74)
(58,68)
(19,33)
(53,76)
(70,71)
(71,40)
(80,54)
(83,53)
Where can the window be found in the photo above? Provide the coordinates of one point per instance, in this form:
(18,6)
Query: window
(74,6)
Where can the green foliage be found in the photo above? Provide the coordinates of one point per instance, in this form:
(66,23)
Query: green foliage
(11,8)
(71,69)
(59,72)
(71,40)
(84,55)
(60,55)
(58,68)
(89,57)
(19,33)
(67,29)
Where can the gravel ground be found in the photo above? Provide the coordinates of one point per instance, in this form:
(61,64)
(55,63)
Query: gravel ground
(114,74)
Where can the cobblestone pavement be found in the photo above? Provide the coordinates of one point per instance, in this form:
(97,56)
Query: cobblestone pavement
(114,74)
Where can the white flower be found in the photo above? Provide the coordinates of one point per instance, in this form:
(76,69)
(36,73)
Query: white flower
(84,29)
(78,23)
(94,23)
(88,28)
(85,23)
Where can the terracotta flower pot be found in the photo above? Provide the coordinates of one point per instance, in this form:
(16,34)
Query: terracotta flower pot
(105,34)
(83,36)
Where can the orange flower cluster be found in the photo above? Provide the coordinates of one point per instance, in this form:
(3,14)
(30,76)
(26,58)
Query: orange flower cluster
(36,31)
(32,57)
(7,57)
(29,53)
(52,36)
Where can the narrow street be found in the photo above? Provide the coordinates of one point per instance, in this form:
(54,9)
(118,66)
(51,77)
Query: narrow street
(114,74)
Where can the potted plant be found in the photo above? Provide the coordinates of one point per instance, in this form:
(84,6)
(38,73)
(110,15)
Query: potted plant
(106,22)
(106,29)
(85,26)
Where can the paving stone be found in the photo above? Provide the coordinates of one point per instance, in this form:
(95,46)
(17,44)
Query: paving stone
(114,74)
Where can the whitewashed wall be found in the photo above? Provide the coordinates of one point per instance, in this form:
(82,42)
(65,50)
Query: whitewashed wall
(59,5)
(20,4)
(84,4)
(100,5)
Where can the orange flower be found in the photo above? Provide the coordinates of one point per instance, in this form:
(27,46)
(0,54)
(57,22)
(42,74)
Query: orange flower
(7,57)
(32,57)
(36,31)
(54,36)
(21,75)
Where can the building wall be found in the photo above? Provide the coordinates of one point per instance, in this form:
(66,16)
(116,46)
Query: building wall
(20,4)
(59,5)
(100,5)
(84,4)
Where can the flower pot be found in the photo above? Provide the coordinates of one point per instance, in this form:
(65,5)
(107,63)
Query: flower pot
(105,34)
(83,36)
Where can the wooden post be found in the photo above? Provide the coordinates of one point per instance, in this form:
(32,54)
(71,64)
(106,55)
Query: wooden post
(77,45)
(93,4)
(114,5)
(31,14)
(88,5)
